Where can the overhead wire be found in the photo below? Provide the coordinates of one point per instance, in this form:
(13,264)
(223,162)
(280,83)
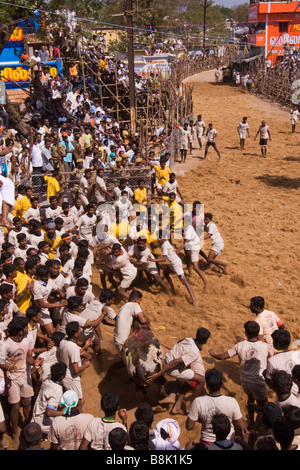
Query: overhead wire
(136,28)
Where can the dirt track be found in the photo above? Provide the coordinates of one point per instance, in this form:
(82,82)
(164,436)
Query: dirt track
(255,203)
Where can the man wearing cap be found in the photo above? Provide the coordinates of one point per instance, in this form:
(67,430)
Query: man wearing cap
(76,144)
(35,59)
(59,433)
(53,239)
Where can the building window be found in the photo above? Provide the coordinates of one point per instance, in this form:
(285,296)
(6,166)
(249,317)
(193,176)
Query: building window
(283,27)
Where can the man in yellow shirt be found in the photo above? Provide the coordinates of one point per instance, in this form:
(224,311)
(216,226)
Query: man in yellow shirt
(140,197)
(162,174)
(119,229)
(24,284)
(24,203)
(53,239)
(53,186)
(175,211)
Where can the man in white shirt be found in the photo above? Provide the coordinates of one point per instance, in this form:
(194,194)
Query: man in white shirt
(121,263)
(139,254)
(203,409)
(284,359)
(184,363)
(265,135)
(185,137)
(77,209)
(85,186)
(87,223)
(171,186)
(192,247)
(100,188)
(294,117)
(37,162)
(217,246)
(243,131)
(75,358)
(268,321)
(169,254)
(253,355)
(123,206)
(211,135)
(48,399)
(42,289)
(124,320)
(54,210)
(116,192)
(200,129)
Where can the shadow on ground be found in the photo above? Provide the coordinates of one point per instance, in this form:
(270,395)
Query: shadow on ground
(280,181)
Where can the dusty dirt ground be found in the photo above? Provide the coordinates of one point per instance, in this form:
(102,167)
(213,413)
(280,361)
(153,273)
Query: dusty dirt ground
(255,203)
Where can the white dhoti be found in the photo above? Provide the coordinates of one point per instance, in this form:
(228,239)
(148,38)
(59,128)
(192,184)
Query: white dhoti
(7,193)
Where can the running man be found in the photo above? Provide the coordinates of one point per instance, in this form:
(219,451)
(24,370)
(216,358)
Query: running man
(217,242)
(175,266)
(265,135)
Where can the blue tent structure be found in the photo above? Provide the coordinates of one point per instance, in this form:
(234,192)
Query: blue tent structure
(14,73)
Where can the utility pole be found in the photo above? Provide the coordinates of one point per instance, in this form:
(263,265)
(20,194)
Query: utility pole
(205,6)
(132,95)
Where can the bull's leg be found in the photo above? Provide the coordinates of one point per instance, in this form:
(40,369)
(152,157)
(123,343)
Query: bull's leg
(161,383)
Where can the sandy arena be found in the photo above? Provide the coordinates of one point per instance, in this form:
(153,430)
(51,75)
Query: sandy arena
(255,203)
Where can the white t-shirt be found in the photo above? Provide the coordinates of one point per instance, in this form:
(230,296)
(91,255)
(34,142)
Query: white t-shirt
(68,317)
(85,226)
(263,130)
(53,213)
(170,187)
(192,237)
(124,207)
(268,322)
(15,354)
(116,192)
(253,356)
(34,240)
(69,353)
(203,409)
(190,354)
(32,213)
(36,156)
(200,126)
(62,426)
(169,252)
(285,360)
(49,396)
(211,135)
(100,185)
(243,127)
(142,256)
(215,234)
(97,432)
(124,321)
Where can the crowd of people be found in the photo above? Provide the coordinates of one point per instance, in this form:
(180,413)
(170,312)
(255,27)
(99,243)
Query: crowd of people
(139,229)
